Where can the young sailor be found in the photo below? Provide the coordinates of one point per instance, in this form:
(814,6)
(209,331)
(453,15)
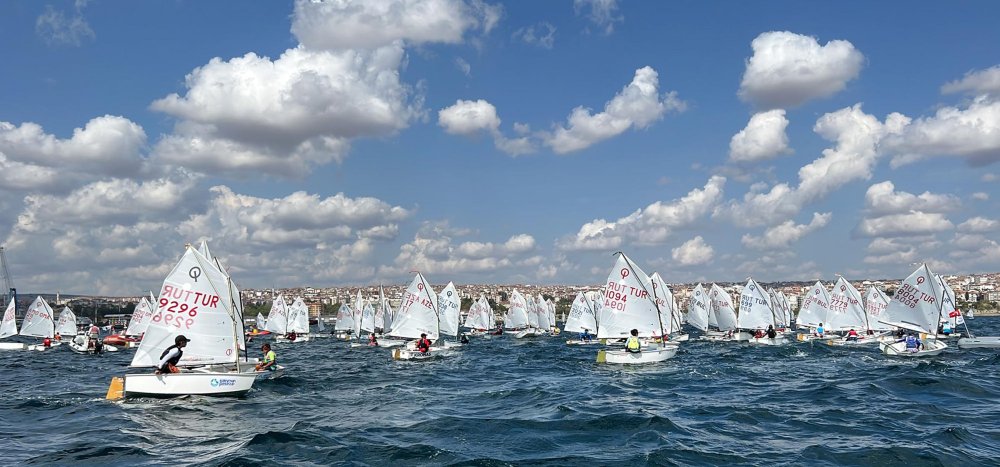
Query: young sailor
(424,344)
(633,344)
(270,362)
(171,355)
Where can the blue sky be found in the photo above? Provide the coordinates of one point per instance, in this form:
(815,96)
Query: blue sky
(348,143)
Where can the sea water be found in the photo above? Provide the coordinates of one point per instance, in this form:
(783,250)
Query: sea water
(534,401)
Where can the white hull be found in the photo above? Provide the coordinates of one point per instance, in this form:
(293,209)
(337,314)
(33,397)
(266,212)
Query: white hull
(189,383)
(979,343)
(779,340)
(525,333)
(718,338)
(298,338)
(390,342)
(860,341)
(583,342)
(809,337)
(679,338)
(452,345)
(898,349)
(407,354)
(646,356)
(13,346)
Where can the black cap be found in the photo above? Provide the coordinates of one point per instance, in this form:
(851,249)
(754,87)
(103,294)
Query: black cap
(423,334)
(181,338)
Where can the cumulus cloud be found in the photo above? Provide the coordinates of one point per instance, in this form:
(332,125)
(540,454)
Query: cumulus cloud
(692,252)
(348,24)
(978,224)
(856,134)
(601,13)
(896,225)
(472,117)
(883,199)
(433,251)
(541,35)
(976,82)
(107,145)
(651,225)
(786,233)
(972,133)
(788,69)
(55,27)
(981,196)
(282,117)
(638,105)
(763,138)
(463,65)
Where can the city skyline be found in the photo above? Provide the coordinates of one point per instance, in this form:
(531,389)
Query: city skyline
(335,143)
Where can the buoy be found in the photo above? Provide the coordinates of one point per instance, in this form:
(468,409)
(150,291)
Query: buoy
(601,357)
(116,390)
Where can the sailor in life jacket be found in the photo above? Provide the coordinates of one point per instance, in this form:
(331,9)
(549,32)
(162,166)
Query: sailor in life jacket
(171,356)
(270,361)
(633,344)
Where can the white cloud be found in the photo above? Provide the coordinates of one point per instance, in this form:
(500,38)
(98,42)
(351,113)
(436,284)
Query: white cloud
(763,138)
(972,133)
(883,199)
(976,82)
(469,117)
(786,233)
(542,35)
(638,105)
(989,177)
(433,251)
(788,69)
(980,196)
(602,13)
(282,117)
(55,27)
(651,225)
(979,225)
(347,24)
(896,225)
(693,252)
(464,66)
(853,158)
(107,145)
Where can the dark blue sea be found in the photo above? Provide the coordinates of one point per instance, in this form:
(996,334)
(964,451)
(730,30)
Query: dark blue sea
(523,402)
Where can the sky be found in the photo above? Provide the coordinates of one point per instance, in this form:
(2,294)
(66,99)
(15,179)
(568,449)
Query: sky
(350,142)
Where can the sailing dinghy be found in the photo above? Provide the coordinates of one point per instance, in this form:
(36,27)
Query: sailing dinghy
(38,322)
(9,328)
(582,319)
(418,314)
(916,306)
(195,301)
(629,304)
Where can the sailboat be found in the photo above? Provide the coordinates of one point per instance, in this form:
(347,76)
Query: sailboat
(8,327)
(916,306)
(756,313)
(344,326)
(277,317)
(698,309)
(364,324)
(815,308)
(582,319)
(517,318)
(195,301)
(479,320)
(630,305)
(722,311)
(418,314)
(78,342)
(258,326)
(448,310)
(298,323)
(670,314)
(875,303)
(136,325)
(38,322)
(847,312)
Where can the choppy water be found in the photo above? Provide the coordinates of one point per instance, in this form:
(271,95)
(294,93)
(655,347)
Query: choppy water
(529,402)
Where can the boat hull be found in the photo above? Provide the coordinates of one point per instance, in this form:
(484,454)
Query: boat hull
(860,341)
(184,384)
(583,342)
(525,333)
(898,349)
(407,354)
(299,338)
(779,340)
(13,346)
(622,357)
(979,343)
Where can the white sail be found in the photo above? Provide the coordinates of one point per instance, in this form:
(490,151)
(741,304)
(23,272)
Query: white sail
(9,325)
(581,315)
(298,317)
(418,312)
(786,307)
(320,327)
(387,312)
(815,307)
(448,309)
(517,314)
(366,321)
(698,308)
(664,301)
(755,307)
(724,311)
(234,294)
(140,318)
(38,320)
(260,321)
(488,319)
(846,309)
(916,305)
(629,303)
(552,313)
(543,312)
(875,303)
(949,308)
(67,322)
(194,302)
(277,318)
(345,318)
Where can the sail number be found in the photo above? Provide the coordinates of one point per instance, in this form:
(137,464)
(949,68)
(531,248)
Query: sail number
(910,296)
(176,307)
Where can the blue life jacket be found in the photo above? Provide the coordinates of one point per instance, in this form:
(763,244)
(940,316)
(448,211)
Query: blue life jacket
(911,342)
